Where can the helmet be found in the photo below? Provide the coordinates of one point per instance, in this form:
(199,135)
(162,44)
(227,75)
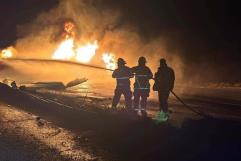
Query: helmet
(121,61)
(163,61)
(142,60)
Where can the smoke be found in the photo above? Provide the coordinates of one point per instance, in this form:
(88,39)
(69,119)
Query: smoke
(39,39)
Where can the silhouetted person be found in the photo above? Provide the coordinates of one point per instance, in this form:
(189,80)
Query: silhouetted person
(14,85)
(122,75)
(141,86)
(164,83)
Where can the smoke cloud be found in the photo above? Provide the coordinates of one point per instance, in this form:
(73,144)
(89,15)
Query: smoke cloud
(94,21)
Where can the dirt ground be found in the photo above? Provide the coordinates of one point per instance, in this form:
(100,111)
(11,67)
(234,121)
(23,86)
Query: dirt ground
(24,136)
(73,132)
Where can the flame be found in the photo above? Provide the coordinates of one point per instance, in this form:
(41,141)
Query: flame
(65,50)
(8,52)
(69,50)
(109,60)
(69,29)
(83,54)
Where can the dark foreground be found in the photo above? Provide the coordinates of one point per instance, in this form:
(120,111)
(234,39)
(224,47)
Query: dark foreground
(107,136)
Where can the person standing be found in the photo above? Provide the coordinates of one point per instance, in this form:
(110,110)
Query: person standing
(122,75)
(164,83)
(141,86)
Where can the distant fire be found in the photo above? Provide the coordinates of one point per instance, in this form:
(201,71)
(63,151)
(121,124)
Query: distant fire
(8,52)
(69,50)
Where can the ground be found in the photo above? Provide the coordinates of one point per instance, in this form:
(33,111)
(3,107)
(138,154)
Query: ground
(52,126)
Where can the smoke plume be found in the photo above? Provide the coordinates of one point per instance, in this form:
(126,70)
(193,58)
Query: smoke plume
(94,21)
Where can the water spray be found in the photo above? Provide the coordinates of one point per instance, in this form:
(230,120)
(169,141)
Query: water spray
(57,61)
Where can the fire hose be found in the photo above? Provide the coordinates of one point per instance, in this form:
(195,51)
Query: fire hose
(56,61)
(102,68)
(188,107)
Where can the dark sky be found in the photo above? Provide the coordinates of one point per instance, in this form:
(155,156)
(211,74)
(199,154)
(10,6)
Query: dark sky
(207,32)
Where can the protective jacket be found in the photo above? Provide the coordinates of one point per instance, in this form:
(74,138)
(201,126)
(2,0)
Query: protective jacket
(142,76)
(164,79)
(122,75)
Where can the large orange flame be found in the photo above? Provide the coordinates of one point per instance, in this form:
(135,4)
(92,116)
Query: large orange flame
(69,50)
(83,54)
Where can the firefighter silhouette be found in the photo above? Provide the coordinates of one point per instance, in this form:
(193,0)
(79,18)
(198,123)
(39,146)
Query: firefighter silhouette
(164,83)
(122,75)
(141,86)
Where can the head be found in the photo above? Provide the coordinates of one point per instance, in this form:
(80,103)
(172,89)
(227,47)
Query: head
(121,62)
(163,62)
(142,61)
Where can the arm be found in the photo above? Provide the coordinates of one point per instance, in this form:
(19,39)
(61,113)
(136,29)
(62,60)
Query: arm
(114,74)
(156,77)
(131,73)
(150,74)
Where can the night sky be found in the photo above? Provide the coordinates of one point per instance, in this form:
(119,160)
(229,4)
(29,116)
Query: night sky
(207,32)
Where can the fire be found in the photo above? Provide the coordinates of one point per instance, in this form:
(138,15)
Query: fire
(85,53)
(8,52)
(69,30)
(70,50)
(109,60)
(67,51)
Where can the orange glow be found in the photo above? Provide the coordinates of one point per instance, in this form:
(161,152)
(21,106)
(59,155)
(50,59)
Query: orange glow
(82,54)
(70,50)
(65,50)
(8,52)
(85,53)
(109,60)
(69,28)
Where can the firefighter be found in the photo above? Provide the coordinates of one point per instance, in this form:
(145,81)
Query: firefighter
(141,86)
(122,75)
(164,83)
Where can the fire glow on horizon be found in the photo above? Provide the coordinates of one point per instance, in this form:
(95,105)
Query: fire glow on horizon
(70,50)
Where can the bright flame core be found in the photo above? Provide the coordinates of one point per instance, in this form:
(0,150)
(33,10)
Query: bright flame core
(83,54)
(65,50)
(109,60)
(8,52)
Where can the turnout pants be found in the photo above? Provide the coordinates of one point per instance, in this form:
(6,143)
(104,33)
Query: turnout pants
(142,94)
(127,95)
(163,100)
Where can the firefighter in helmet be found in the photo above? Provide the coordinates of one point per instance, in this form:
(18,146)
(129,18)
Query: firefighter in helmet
(164,83)
(122,75)
(141,86)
